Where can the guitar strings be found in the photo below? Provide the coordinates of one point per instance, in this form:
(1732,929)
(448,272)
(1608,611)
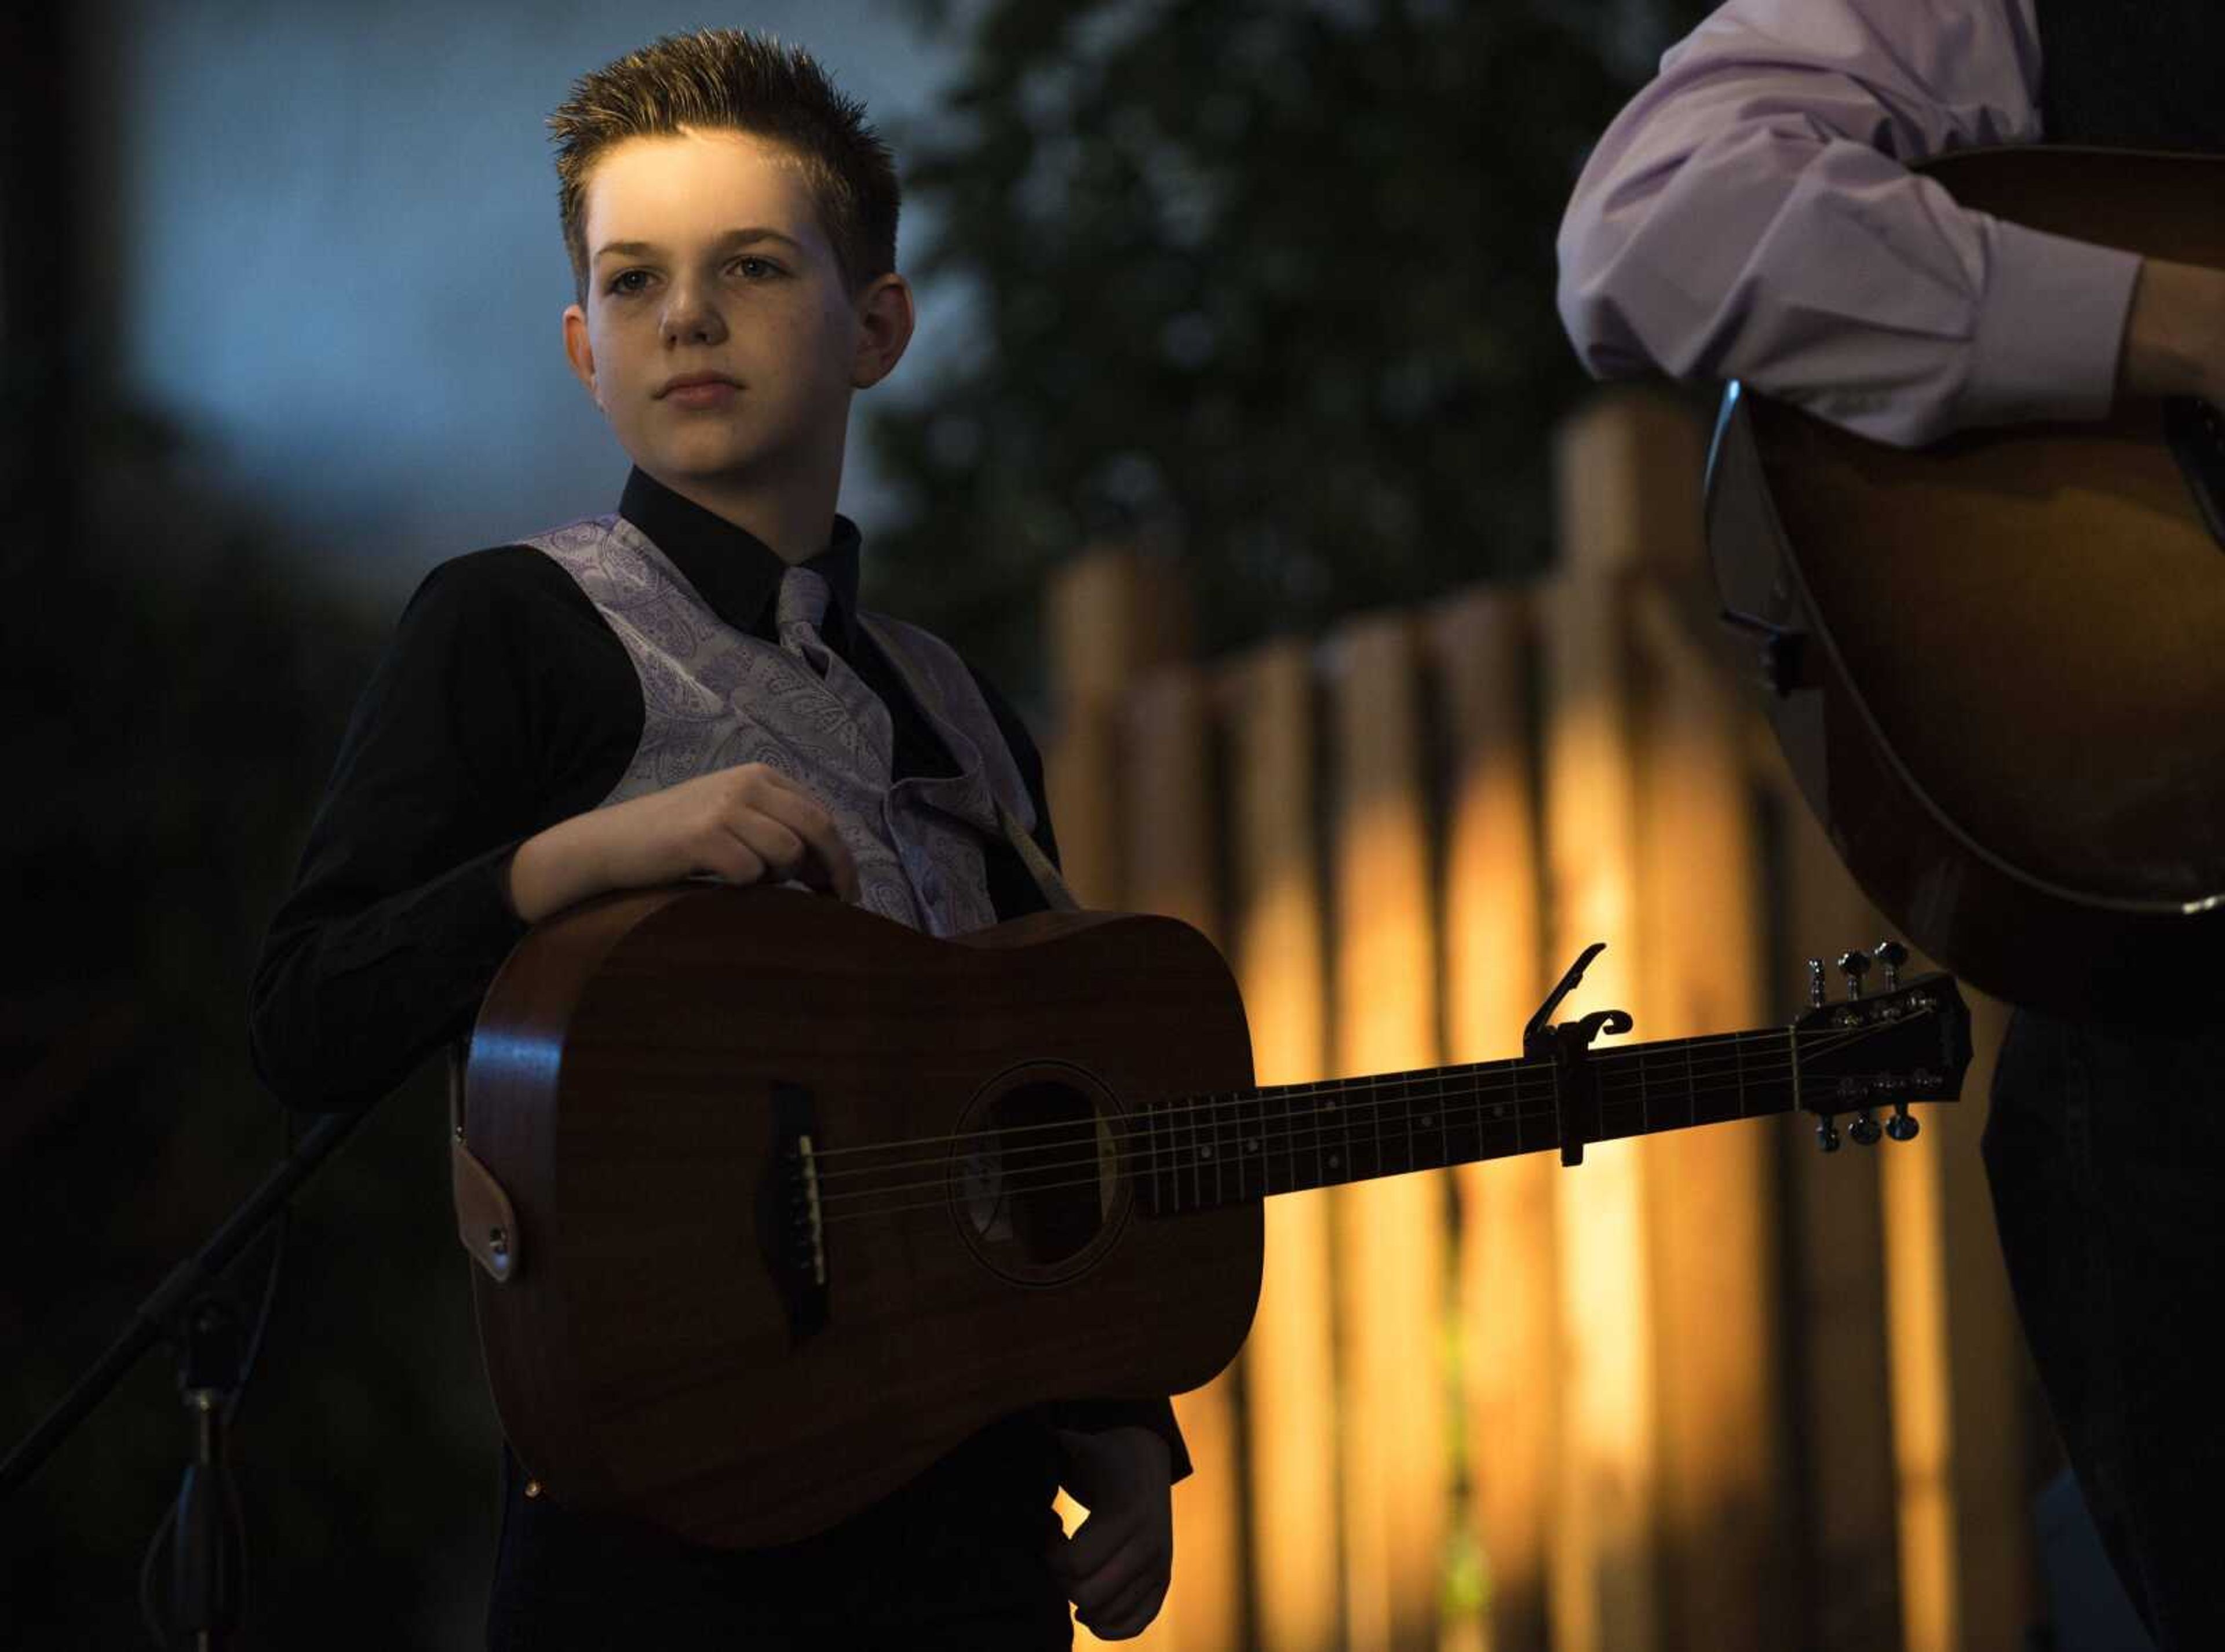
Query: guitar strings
(1074,1132)
(1627,1100)
(942,1186)
(1141,1154)
(1619,1071)
(1610,1063)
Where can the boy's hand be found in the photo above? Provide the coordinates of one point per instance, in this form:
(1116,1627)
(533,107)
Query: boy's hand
(1116,1565)
(746,824)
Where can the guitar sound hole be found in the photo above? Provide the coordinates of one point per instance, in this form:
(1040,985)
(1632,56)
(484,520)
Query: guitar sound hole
(1036,1178)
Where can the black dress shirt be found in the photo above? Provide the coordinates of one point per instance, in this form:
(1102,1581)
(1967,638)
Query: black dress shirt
(504,705)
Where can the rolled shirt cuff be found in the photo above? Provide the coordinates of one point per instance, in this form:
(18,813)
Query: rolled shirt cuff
(2050,330)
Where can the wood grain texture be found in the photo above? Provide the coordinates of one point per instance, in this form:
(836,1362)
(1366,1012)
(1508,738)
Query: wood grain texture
(642,1361)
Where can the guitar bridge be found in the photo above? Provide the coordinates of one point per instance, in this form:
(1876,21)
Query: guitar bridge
(791,1222)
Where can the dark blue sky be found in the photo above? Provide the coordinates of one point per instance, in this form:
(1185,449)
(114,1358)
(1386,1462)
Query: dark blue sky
(334,259)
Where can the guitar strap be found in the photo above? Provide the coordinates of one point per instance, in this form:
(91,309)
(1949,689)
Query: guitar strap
(920,688)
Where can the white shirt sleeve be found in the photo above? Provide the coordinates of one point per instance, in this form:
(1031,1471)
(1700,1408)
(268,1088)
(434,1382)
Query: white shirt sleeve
(1751,215)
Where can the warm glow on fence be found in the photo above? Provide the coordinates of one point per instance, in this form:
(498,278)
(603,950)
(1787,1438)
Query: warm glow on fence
(1922,1448)
(1289,1365)
(1390,1232)
(1670,1398)
(1606,1593)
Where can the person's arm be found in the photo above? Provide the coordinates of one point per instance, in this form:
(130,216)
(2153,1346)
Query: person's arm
(1751,215)
(466,805)
(741,824)
(399,917)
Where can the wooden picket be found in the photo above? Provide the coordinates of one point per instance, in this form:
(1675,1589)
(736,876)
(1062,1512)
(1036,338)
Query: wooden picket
(1479,656)
(1846,1501)
(1268,700)
(1390,1233)
(1169,861)
(1709,1389)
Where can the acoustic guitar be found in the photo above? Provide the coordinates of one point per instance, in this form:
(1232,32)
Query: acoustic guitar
(1997,663)
(792,1199)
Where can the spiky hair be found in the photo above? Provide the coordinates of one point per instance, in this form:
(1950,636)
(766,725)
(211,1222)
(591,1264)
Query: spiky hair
(731,79)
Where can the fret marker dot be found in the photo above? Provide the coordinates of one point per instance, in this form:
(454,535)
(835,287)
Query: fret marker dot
(1425,1121)
(1334,1162)
(1251,1145)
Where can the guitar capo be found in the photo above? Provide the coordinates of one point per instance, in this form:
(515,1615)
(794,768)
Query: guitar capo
(1567,1046)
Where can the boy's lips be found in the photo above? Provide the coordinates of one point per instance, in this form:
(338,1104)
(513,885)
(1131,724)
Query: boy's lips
(688,381)
(705,393)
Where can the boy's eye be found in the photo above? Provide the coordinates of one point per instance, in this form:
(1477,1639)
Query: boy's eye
(754,269)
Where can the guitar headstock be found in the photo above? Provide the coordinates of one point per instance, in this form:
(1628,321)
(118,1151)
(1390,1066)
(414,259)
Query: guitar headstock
(1910,1043)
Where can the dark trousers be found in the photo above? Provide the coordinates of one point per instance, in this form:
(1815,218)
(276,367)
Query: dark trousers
(955,1561)
(2105,1150)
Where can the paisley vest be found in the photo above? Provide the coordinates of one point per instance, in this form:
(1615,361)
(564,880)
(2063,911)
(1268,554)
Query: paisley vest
(713,696)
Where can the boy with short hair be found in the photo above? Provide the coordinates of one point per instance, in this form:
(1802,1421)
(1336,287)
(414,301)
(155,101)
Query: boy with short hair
(687,688)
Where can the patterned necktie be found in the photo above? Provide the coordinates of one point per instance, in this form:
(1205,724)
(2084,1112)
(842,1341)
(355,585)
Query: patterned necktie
(869,738)
(802,606)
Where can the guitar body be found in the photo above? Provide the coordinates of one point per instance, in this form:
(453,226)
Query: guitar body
(2008,702)
(656,1355)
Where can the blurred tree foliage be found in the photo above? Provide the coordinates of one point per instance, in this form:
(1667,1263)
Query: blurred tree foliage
(1270,283)
(178,692)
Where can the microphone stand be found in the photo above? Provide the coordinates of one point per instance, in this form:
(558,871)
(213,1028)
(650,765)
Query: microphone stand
(191,1310)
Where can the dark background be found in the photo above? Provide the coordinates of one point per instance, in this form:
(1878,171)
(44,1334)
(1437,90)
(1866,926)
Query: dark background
(1268,284)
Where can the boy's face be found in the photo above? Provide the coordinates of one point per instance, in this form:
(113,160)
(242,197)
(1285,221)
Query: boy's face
(767,310)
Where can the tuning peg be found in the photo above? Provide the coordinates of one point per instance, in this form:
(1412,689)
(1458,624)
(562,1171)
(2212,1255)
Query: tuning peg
(1892,955)
(1826,1134)
(1900,1126)
(1854,966)
(1815,984)
(1865,1129)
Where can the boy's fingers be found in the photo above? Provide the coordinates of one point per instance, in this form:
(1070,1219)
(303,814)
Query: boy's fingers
(798,808)
(1127,1612)
(1093,1543)
(800,814)
(732,859)
(1094,1587)
(782,849)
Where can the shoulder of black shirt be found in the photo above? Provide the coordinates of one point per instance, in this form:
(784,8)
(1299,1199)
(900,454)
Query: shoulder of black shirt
(490,597)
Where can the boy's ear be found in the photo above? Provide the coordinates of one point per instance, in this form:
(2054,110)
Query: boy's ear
(885,318)
(578,349)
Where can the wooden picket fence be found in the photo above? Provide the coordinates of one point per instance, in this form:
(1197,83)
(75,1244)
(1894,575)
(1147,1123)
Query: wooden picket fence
(1710,1389)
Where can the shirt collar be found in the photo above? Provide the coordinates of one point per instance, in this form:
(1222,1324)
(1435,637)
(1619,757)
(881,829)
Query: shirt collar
(734,570)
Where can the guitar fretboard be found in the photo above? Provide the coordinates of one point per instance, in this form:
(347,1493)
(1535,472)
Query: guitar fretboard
(1195,1153)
